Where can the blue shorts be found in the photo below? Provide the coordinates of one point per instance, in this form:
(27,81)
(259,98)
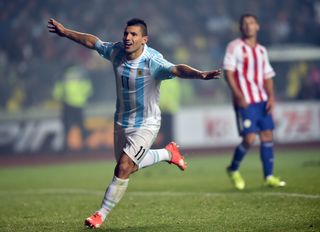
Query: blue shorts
(253,119)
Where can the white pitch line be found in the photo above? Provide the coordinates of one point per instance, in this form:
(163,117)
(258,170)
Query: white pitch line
(212,194)
(158,194)
(301,195)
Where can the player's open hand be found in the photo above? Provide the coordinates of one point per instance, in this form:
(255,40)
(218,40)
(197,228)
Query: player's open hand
(56,27)
(214,74)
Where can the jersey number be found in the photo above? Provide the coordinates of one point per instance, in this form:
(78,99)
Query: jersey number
(140,153)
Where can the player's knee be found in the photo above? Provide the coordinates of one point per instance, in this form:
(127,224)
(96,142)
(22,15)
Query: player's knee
(124,168)
(249,140)
(266,136)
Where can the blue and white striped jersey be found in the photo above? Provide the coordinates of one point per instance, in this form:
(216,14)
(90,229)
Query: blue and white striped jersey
(138,84)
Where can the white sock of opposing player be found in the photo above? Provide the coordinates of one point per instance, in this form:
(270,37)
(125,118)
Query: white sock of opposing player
(113,195)
(155,156)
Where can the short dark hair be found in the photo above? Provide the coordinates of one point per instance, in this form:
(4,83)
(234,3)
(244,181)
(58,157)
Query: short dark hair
(139,22)
(242,17)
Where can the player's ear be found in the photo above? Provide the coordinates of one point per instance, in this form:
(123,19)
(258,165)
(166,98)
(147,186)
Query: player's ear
(145,39)
(258,27)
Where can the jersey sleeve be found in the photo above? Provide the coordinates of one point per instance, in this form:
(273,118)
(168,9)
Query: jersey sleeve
(229,61)
(104,49)
(160,68)
(268,70)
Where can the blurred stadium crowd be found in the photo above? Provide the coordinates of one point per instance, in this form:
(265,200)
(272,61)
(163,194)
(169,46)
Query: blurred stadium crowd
(185,31)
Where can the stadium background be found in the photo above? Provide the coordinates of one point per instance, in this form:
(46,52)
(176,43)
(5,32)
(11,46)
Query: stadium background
(185,31)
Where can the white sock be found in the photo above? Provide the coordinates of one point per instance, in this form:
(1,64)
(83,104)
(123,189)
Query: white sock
(155,156)
(113,195)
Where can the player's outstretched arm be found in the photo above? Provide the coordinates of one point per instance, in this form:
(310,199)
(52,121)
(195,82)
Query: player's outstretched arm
(85,39)
(187,72)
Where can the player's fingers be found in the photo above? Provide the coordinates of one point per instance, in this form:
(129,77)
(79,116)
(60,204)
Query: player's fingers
(50,25)
(269,108)
(208,77)
(216,75)
(50,21)
(53,31)
(217,71)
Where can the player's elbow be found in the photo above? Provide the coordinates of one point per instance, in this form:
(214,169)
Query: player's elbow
(174,70)
(89,45)
(90,41)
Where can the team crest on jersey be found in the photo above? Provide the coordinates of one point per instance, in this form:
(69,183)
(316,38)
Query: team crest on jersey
(140,72)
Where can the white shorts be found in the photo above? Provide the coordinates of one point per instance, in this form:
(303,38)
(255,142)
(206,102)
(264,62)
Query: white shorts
(135,142)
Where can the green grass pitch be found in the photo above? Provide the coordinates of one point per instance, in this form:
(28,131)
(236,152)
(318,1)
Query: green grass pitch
(162,198)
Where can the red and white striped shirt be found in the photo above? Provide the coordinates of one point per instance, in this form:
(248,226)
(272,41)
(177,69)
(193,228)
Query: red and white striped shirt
(251,68)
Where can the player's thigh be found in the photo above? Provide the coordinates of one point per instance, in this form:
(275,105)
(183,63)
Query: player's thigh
(266,123)
(264,119)
(119,141)
(246,120)
(133,142)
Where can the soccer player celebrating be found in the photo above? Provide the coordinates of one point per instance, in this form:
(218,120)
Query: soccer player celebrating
(249,76)
(139,71)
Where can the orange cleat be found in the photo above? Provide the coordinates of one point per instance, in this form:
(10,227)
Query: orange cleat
(94,221)
(176,158)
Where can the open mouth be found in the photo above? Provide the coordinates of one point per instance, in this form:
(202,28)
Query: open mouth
(127,44)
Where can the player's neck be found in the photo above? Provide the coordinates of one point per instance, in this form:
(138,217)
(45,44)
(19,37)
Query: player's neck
(134,55)
(251,41)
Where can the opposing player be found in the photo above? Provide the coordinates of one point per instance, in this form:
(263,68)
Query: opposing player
(139,71)
(249,76)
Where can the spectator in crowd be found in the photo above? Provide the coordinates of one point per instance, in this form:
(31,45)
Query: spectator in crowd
(297,74)
(73,91)
(170,100)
